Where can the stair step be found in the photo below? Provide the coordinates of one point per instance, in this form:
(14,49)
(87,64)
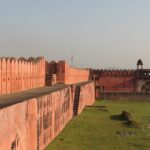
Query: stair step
(48,79)
(76,104)
(75,108)
(76,100)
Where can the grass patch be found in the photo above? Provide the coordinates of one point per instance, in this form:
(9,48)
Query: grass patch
(101,128)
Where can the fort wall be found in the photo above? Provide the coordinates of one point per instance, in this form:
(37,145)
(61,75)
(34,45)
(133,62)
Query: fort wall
(70,75)
(117,83)
(33,123)
(87,95)
(114,80)
(21,74)
(130,96)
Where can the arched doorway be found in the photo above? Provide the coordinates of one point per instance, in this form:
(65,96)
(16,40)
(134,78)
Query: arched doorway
(146,87)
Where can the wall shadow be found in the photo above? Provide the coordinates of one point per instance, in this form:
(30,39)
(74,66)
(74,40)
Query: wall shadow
(117,117)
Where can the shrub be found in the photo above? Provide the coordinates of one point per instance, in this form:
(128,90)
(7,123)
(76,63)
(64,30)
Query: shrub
(131,119)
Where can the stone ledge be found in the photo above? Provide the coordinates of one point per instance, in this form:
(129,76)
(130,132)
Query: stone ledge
(11,99)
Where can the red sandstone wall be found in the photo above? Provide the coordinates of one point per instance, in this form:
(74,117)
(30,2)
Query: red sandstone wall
(8,75)
(33,124)
(4,82)
(69,75)
(87,95)
(14,127)
(117,83)
(114,80)
(21,74)
(54,112)
(51,67)
(0,77)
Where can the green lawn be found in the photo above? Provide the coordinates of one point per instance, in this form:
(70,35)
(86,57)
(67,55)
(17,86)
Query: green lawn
(100,128)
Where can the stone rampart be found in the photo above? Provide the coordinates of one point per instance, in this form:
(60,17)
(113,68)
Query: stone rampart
(87,94)
(31,120)
(131,96)
(113,80)
(112,73)
(70,75)
(21,74)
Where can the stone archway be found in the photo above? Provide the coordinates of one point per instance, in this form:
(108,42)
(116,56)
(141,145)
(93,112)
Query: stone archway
(98,90)
(146,87)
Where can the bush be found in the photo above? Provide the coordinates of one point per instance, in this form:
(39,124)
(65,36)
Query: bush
(131,119)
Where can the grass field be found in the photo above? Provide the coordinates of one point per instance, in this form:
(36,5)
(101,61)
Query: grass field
(100,128)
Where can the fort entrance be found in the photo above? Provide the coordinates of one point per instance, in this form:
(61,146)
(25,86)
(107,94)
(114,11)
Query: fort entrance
(146,87)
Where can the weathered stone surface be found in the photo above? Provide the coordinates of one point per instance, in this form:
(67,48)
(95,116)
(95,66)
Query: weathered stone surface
(30,120)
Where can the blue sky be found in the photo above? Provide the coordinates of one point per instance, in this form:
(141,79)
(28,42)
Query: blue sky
(98,33)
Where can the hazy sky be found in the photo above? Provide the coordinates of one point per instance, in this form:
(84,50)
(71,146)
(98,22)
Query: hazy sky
(98,33)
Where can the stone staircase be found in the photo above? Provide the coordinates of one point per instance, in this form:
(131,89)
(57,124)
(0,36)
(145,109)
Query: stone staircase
(48,79)
(76,100)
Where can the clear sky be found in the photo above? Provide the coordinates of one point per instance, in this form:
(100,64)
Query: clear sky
(98,33)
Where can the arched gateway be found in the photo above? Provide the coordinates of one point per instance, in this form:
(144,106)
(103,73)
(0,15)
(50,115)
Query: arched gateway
(146,87)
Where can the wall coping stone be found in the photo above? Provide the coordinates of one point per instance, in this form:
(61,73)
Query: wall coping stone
(83,83)
(14,98)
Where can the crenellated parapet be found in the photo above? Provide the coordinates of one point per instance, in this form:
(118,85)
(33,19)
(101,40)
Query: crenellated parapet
(112,73)
(114,80)
(21,74)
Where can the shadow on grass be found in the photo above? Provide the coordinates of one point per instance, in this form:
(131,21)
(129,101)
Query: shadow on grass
(100,108)
(97,106)
(61,139)
(117,117)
